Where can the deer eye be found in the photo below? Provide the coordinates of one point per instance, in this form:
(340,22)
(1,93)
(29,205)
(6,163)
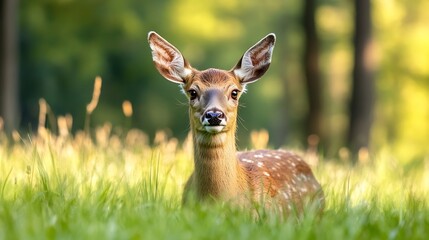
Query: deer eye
(193,94)
(234,94)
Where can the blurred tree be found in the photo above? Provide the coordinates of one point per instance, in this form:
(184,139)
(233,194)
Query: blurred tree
(9,64)
(311,70)
(362,99)
(63,45)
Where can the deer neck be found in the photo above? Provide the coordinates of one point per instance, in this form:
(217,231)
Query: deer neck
(216,167)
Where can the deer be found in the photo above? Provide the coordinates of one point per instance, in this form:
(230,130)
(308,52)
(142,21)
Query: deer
(277,179)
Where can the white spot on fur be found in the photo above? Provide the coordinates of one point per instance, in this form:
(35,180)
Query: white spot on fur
(247,160)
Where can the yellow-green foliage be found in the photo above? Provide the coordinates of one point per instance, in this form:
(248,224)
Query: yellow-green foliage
(124,162)
(120,186)
(129,161)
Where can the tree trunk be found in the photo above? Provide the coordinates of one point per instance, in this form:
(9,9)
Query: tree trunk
(362,99)
(9,64)
(311,70)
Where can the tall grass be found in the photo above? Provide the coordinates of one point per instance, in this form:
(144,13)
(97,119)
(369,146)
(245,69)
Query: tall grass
(121,187)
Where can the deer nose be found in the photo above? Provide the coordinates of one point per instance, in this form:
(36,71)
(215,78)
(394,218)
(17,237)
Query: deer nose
(214,117)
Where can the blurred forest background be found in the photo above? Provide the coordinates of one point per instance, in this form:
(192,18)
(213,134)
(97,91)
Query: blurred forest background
(353,73)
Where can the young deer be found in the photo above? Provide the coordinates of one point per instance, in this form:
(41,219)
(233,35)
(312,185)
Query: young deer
(281,178)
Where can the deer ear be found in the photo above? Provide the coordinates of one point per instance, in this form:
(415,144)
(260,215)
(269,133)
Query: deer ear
(255,61)
(168,60)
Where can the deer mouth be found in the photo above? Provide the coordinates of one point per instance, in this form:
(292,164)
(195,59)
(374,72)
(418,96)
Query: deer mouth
(214,129)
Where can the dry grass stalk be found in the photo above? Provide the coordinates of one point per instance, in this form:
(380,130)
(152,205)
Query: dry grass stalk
(62,126)
(94,102)
(1,124)
(43,110)
(69,121)
(95,95)
(16,136)
(259,139)
(363,156)
(127,108)
(160,138)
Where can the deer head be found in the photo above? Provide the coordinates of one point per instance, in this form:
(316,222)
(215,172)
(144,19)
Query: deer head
(213,93)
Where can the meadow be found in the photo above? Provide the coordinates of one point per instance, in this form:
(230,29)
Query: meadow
(120,184)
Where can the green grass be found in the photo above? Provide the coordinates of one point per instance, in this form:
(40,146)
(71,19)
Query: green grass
(121,188)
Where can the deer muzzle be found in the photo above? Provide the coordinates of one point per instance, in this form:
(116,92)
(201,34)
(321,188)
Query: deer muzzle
(213,120)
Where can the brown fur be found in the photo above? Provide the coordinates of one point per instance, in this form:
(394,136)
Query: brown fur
(274,178)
